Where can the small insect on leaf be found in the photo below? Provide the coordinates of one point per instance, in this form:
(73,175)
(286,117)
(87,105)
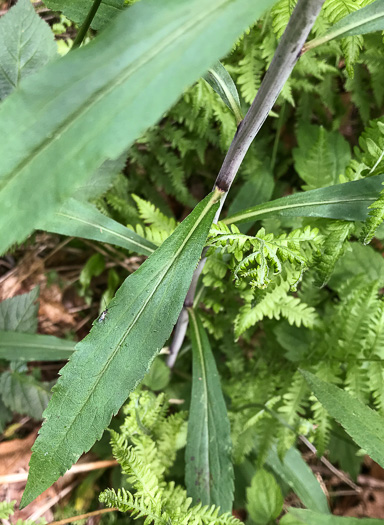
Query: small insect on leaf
(102,316)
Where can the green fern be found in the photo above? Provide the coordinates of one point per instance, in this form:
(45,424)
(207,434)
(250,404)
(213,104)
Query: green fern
(145,448)
(336,234)
(257,259)
(281,13)
(7,509)
(274,303)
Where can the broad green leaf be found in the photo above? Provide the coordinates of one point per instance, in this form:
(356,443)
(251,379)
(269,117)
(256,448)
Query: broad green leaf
(24,394)
(34,347)
(348,201)
(364,425)
(221,81)
(77,10)
(295,472)
(366,20)
(308,517)
(90,105)
(110,362)
(208,471)
(264,498)
(26,45)
(19,313)
(82,219)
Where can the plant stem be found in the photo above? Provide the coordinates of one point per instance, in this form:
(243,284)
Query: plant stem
(86,24)
(287,54)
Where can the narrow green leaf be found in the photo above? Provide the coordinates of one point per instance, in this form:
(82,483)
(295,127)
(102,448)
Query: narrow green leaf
(363,424)
(34,347)
(366,20)
(82,219)
(348,201)
(19,313)
(26,45)
(209,470)
(77,10)
(110,362)
(90,105)
(308,517)
(24,394)
(295,472)
(264,498)
(221,81)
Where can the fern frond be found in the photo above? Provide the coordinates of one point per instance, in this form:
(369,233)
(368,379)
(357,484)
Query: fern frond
(374,219)
(357,382)
(274,304)
(268,253)
(294,401)
(139,475)
(135,505)
(336,235)
(322,424)
(281,13)
(144,410)
(335,10)
(153,216)
(7,509)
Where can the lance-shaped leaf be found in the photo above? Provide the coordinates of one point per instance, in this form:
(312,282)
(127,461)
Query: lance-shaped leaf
(82,219)
(110,362)
(209,471)
(366,20)
(16,346)
(89,106)
(348,201)
(221,81)
(308,517)
(26,45)
(364,425)
(296,473)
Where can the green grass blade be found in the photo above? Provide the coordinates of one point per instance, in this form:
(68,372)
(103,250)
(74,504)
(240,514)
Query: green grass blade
(309,517)
(110,362)
(348,201)
(221,81)
(61,124)
(364,425)
(209,471)
(81,219)
(296,473)
(16,346)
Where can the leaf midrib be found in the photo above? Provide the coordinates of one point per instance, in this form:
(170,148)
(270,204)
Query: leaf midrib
(161,273)
(236,218)
(104,91)
(204,374)
(108,230)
